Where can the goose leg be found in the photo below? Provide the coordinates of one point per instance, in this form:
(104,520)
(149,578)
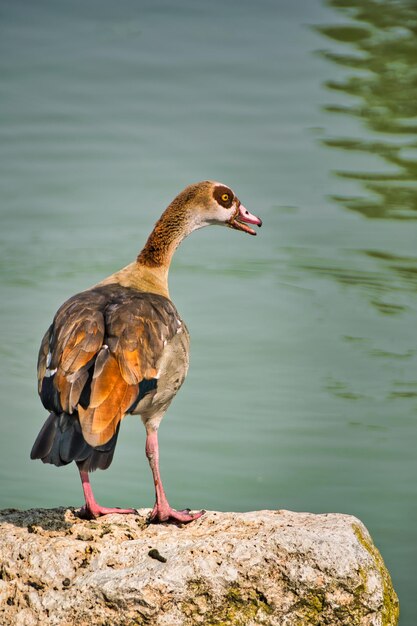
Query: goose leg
(162,512)
(92,509)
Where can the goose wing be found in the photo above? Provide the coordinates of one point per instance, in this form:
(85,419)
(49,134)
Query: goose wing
(99,356)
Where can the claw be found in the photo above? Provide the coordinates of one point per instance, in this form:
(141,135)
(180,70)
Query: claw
(97,511)
(169,515)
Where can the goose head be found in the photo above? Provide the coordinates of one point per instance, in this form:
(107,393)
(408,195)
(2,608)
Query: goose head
(216,203)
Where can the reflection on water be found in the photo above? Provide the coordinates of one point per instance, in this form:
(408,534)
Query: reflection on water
(380,52)
(375,82)
(384,279)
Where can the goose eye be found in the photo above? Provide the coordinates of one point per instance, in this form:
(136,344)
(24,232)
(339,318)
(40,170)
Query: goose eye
(225,197)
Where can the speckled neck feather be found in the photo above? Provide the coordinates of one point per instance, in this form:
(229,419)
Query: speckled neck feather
(165,238)
(177,221)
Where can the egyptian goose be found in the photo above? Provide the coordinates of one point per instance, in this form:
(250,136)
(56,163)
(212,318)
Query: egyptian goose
(121,348)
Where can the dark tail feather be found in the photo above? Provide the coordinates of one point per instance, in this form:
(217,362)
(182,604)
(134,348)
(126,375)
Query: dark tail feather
(61,441)
(45,439)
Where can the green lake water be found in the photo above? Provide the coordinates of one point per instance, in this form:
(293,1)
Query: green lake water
(302,389)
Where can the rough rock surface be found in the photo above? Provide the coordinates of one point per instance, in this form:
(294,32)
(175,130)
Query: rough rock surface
(266,567)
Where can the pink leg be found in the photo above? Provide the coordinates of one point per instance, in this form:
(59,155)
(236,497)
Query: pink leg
(162,512)
(91,509)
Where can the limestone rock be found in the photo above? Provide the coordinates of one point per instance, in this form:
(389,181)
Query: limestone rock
(274,568)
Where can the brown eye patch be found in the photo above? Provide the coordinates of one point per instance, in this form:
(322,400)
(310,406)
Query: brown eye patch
(224,196)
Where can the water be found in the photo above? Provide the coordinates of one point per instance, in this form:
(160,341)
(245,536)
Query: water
(302,390)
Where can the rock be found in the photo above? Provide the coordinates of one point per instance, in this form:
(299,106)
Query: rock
(272,568)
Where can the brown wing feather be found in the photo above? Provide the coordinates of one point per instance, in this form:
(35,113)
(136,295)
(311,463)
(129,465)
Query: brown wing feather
(135,342)
(68,349)
(122,335)
(110,398)
(137,348)
(78,341)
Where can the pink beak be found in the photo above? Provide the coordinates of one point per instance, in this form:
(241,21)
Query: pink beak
(243,217)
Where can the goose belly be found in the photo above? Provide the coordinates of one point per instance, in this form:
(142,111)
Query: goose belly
(172,370)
